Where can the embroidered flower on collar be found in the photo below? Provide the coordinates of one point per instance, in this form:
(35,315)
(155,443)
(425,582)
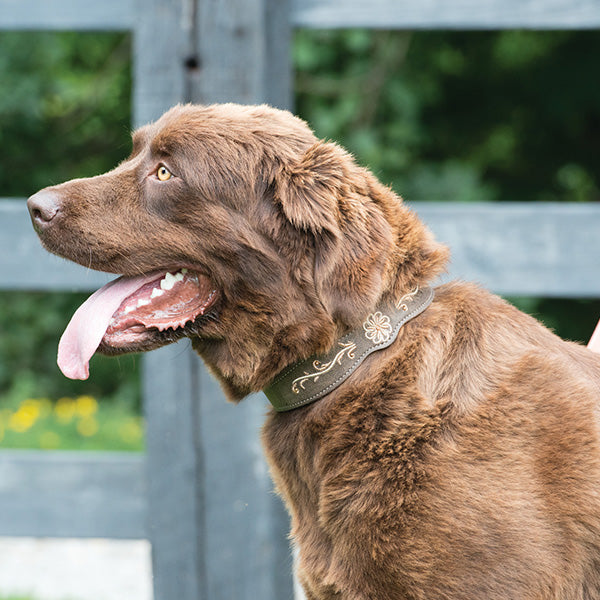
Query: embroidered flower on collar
(378,328)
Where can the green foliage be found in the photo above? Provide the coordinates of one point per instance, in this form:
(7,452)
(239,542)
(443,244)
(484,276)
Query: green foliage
(66,114)
(510,115)
(469,116)
(31,325)
(64,110)
(465,116)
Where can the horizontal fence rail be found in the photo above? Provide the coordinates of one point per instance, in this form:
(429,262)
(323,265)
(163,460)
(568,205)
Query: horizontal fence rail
(521,248)
(111,15)
(513,248)
(445,14)
(25,265)
(44,15)
(71,494)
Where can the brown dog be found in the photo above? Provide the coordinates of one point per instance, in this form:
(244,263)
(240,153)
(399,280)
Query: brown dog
(459,460)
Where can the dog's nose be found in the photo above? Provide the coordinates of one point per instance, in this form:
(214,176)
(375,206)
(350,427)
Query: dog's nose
(43,207)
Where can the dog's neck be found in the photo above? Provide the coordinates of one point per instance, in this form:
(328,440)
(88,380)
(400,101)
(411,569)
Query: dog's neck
(311,379)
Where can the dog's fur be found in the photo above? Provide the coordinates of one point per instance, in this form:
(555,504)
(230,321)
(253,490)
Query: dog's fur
(463,462)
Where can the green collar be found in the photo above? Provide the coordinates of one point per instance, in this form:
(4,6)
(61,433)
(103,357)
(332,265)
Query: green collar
(310,379)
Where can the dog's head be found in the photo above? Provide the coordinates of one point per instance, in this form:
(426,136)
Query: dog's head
(234,226)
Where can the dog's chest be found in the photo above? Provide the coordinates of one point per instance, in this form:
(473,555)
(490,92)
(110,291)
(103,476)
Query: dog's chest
(347,518)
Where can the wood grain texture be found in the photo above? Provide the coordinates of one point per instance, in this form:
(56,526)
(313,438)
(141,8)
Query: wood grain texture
(513,248)
(25,265)
(441,14)
(163,40)
(388,14)
(175,474)
(243,51)
(108,15)
(71,494)
(520,248)
(247,551)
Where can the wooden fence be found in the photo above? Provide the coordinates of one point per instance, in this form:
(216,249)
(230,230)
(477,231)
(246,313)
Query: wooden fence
(201,493)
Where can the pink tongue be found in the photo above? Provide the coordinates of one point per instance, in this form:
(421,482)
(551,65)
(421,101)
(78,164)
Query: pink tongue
(89,323)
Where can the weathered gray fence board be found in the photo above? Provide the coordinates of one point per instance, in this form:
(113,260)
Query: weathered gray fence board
(538,249)
(243,49)
(163,40)
(25,265)
(388,14)
(176,525)
(81,15)
(248,555)
(445,14)
(70,494)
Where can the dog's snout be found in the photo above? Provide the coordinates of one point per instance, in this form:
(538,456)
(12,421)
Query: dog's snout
(43,207)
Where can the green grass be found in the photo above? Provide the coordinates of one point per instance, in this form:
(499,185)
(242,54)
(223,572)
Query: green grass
(79,423)
(68,423)
(73,421)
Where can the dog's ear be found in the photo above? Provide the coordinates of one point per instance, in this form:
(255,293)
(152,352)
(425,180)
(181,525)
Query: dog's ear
(308,191)
(368,246)
(327,196)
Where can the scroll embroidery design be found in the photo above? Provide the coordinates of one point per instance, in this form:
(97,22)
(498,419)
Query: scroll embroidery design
(402,304)
(377,329)
(321,368)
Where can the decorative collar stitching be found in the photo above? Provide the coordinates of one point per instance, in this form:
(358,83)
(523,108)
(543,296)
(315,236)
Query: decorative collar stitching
(311,379)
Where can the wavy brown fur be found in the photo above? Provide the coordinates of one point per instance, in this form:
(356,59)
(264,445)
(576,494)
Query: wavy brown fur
(462,462)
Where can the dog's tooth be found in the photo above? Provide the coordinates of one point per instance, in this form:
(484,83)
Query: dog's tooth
(168,282)
(184,271)
(156,292)
(178,276)
(143,302)
(129,309)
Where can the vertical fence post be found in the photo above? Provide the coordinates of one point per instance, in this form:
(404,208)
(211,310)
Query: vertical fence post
(217,529)
(174,467)
(243,55)
(163,35)
(244,52)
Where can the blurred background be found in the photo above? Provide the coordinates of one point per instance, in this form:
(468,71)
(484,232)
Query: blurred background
(440,116)
(468,116)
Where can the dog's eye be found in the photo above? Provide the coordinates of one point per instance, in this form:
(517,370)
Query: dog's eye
(163,173)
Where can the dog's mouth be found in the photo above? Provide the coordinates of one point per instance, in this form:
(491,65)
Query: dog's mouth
(129,311)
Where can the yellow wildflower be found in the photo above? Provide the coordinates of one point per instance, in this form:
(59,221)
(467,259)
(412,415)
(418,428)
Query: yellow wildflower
(24,418)
(131,431)
(64,410)
(31,406)
(88,426)
(86,406)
